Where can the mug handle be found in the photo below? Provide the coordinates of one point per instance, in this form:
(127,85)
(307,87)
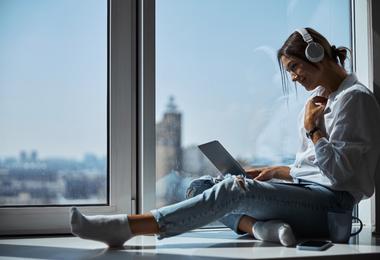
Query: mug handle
(360,229)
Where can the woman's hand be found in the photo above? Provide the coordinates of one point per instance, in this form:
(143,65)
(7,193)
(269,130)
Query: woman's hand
(267,173)
(314,112)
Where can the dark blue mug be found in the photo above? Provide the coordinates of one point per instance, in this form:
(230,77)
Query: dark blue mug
(340,225)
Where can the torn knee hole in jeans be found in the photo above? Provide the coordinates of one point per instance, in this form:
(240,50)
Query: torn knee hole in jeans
(240,182)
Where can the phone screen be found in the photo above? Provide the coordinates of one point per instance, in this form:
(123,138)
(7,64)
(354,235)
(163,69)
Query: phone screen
(314,243)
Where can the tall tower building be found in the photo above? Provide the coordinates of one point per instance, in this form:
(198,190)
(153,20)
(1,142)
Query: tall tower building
(168,141)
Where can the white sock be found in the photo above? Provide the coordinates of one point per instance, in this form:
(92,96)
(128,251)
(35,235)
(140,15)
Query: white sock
(112,229)
(274,231)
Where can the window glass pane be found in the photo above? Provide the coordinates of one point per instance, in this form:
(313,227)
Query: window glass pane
(217,77)
(53,102)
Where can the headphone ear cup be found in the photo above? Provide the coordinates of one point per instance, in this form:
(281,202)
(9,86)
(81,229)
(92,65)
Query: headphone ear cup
(314,52)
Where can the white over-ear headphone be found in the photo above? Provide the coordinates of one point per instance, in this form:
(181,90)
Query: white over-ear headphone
(314,52)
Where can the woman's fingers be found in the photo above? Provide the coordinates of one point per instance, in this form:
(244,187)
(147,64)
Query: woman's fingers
(261,177)
(253,173)
(261,174)
(264,175)
(314,111)
(319,99)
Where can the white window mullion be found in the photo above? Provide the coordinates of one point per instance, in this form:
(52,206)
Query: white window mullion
(147,128)
(363,67)
(123,104)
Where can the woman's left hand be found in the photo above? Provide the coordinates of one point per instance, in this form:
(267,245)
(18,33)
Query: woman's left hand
(268,173)
(314,112)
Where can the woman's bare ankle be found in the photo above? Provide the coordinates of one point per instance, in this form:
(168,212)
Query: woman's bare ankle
(246,223)
(143,224)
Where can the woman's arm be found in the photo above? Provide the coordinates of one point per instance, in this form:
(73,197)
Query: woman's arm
(351,150)
(267,173)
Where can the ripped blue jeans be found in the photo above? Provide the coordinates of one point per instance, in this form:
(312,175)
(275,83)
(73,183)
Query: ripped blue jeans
(304,206)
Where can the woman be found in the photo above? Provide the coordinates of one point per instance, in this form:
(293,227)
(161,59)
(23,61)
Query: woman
(333,170)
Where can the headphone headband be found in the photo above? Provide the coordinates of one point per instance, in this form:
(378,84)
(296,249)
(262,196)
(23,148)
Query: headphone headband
(305,35)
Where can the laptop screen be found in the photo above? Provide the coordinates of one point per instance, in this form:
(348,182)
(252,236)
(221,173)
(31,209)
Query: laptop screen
(221,158)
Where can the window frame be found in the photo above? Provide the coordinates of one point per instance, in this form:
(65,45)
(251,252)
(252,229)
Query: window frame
(362,66)
(131,130)
(375,21)
(121,136)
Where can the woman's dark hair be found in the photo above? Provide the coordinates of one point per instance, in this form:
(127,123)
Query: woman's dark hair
(295,46)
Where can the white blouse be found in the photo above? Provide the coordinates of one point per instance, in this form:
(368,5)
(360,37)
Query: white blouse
(349,156)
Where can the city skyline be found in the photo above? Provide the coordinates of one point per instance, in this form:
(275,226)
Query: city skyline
(33,155)
(30,180)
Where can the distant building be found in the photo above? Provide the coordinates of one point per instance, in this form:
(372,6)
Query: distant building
(168,141)
(23,157)
(34,156)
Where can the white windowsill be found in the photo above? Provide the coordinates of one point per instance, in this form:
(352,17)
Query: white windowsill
(204,244)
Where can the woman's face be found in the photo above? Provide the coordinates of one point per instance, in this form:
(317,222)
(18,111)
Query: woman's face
(302,72)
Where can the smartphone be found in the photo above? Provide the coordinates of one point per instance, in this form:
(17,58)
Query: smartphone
(315,245)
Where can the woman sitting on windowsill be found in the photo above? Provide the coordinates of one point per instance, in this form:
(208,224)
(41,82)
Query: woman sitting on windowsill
(333,170)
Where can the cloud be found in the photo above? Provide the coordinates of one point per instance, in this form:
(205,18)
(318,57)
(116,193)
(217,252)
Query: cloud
(268,51)
(272,54)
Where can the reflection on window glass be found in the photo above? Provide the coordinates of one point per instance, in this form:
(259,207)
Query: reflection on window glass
(217,77)
(53,102)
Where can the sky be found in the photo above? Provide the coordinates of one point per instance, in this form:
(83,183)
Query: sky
(216,57)
(53,77)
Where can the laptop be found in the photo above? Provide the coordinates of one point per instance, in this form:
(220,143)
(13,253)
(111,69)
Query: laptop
(221,158)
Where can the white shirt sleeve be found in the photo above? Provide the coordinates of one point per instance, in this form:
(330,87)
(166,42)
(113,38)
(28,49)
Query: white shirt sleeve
(349,155)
